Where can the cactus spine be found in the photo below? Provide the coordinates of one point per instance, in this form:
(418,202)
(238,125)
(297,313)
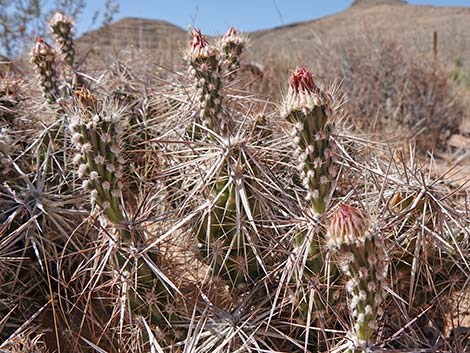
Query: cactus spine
(205,68)
(362,259)
(308,108)
(232,46)
(62,29)
(43,56)
(97,129)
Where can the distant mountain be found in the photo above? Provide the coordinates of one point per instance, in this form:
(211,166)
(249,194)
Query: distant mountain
(164,39)
(377,2)
(412,26)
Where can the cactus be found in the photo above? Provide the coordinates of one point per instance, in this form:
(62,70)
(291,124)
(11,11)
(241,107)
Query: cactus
(362,259)
(99,159)
(222,230)
(97,130)
(308,108)
(62,29)
(205,68)
(43,56)
(232,46)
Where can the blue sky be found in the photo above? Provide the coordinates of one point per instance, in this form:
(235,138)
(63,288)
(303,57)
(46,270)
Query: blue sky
(215,16)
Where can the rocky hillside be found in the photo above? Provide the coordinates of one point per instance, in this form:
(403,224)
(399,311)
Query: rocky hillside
(412,26)
(158,38)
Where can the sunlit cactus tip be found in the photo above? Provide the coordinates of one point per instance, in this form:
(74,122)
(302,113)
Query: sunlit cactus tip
(232,45)
(205,69)
(360,253)
(308,108)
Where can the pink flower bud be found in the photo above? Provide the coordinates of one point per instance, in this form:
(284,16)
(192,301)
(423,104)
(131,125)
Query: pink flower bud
(349,226)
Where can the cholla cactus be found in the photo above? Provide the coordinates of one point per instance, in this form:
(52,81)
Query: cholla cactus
(43,56)
(62,29)
(308,108)
(6,145)
(232,46)
(9,96)
(97,134)
(223,235)
(362,259)
(204,66)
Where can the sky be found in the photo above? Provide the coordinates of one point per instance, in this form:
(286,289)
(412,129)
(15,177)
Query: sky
(215,16)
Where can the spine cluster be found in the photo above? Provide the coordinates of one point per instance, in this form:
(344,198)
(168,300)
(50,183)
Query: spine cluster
(205,68)
(96,136)
(362,259)
(43,56)
(307,107)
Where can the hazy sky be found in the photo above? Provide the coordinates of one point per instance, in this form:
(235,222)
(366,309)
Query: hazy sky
(215,16)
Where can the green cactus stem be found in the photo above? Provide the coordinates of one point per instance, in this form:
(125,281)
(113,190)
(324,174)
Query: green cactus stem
(97,130)
(222,238)
(205,68)
(62,29)
(232,46)
(43,56)
(361,257)
(307,107)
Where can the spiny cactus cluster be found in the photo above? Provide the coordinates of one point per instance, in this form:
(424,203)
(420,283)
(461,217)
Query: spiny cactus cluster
(97,134)
(185,218)
(227,236)
(62,29)
(308,108)
(46,60)
(233,45)
(362,260)
(43,56)
(205,67)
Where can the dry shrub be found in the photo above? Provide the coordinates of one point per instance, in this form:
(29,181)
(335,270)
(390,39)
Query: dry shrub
(392,89)
(388,88)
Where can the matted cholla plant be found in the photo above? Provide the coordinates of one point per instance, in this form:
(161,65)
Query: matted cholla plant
(362,259)
(62,29)
(308,108)
(43,56)
(97,133)
(203,225)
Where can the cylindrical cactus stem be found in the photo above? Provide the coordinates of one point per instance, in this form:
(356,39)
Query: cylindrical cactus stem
(232,46)
(205,68)
(222,240)
(97,129)
(62,29)
(97,134)
(362,259)
(307,107)
(43,56)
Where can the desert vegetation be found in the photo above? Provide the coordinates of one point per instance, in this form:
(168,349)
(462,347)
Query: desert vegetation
(146,209)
